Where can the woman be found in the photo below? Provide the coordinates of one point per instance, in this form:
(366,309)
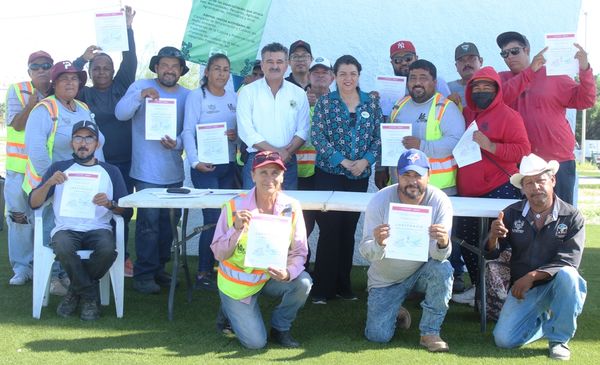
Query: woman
(239,285)
(345,133)
(210,104)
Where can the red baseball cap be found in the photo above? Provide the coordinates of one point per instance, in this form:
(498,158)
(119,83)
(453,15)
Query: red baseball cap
(62,67)
(39,54)
(264,158)
(402,46)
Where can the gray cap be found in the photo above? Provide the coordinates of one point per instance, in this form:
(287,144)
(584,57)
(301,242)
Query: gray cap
(465,49)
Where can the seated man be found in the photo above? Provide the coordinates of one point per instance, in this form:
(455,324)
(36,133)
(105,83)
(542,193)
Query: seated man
(239,285)
(546,236)
(76,233)
(391,280)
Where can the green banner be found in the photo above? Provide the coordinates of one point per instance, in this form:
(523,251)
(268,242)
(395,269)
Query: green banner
(231,27)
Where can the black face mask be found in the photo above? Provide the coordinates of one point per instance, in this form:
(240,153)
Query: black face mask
(82,160)
(483,99)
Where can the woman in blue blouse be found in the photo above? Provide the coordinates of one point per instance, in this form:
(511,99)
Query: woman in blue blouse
(345,133)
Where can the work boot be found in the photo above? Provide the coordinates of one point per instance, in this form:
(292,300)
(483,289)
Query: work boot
(68,304)
(403,319)
(434,343)
(284,338)
(147,286)
(89,309)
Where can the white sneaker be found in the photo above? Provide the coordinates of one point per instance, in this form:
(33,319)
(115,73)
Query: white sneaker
(19,279)
(57,287)
(466,297)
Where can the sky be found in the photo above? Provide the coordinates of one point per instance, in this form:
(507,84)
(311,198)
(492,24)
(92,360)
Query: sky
(66,27)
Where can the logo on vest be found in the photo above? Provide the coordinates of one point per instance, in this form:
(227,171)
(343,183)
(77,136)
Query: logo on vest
(518,226)
(561,231)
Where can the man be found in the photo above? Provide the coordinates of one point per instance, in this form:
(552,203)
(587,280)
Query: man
(256,74)
(272,115)
(107,89)
(547,237)
(75,233)
(391,280)
(402,55)
(467,62)
(300,59)
(154,164)
(542,102)
(437,125)
(20,100)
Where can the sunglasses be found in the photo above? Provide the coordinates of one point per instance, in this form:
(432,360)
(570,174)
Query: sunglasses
(406,58)
(36,66)
(271,156)
(513,51)
(87,139)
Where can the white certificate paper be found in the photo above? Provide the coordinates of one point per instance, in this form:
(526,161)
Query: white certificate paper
(560,56)
(391,89)
(409,232)
(268,241)
(466,150)
(391,141)
(211,141)
(77,195)
(161,118)
(111,32)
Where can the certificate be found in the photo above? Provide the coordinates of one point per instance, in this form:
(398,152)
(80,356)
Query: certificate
(211,141)
(391,141)
(391,89)
(78,192)
(111,32)
(560,56)
(161,118)
(467,151)
(409,232)
(268,241)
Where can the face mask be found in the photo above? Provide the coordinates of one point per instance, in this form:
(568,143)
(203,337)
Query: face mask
(483,99)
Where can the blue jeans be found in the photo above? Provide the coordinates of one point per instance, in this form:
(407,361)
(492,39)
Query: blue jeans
(221,178)
(153,236)
(549,310)
(290,176)
(565,181)
(246,319)
(434,278)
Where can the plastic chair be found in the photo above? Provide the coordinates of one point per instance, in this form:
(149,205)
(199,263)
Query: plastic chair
(43,258)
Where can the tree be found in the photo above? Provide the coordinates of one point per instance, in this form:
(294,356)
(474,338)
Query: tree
(592,129)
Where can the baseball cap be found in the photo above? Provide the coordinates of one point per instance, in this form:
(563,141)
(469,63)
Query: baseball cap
(85,124)
(256,64)
(413,160)
(264,158)
(506,37)
(39,54)
(168,52)
(300,43)
(402,46)
(320,61)
(62,67)
(465,49)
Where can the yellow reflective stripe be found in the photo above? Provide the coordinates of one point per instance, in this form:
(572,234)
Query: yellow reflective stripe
(396,109)
(23,86)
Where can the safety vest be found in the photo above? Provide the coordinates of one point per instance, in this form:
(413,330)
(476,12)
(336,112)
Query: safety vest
(307,155)
(234,279)
(443,170)
(16,158)
(32,178)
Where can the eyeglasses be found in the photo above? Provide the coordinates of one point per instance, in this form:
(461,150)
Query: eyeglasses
(513,51)
(406,58)
(299,58)
(87,139)
(268,156)
(36,66)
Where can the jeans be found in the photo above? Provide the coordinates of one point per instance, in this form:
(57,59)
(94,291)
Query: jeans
(20,234)
(85,274)
(290,176)
(223,177)
(153,236)
(246,319)
(124,168)
(549,310)
(434,278)
(565,181)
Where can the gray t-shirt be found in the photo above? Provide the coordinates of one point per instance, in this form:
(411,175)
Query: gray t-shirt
(456,87)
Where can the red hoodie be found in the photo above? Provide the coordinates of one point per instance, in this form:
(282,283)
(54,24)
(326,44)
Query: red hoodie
(504,127)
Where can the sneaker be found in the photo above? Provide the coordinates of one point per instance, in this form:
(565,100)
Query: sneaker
(164,279)
(434,343)
(128,268)
(206,282)
(57,287)
(284,338)
(347,296)
(466,297)
(19,279)
(148,286)
(68,305)
(319,300)
(403,319)
(89,310)
(559,351)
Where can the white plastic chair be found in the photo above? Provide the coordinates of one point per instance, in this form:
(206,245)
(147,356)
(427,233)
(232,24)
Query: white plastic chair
(43,257)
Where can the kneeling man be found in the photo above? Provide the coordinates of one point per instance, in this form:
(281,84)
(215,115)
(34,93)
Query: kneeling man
(391,280)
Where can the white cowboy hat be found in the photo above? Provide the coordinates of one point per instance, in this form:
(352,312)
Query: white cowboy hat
(532,165)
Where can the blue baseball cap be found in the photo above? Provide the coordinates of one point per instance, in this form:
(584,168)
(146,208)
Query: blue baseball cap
(413,160)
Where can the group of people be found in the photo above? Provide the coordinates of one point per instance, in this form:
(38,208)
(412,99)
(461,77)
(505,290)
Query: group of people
(296,133)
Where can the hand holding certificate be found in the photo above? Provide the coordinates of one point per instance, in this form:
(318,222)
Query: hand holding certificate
(560,58)
(111,31)
(467,151)
(268,241)
(409,232)
(211,140)
(391,141)
(391,89)
(77,195)
(161,118)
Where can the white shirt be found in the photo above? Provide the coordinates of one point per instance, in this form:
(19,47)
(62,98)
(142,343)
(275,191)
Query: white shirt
(276,120)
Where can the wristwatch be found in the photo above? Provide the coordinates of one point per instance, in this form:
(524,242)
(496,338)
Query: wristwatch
(113,205)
